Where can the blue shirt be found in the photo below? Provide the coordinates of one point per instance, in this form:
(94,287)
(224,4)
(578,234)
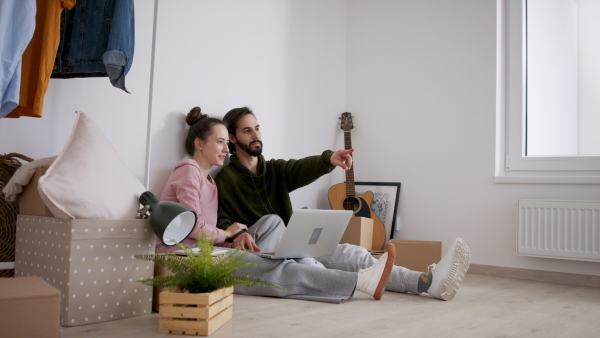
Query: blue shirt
(17,23)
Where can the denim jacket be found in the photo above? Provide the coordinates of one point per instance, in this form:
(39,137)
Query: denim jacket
(96,40)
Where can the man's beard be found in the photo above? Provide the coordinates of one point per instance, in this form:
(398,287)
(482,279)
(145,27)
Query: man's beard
(248,149)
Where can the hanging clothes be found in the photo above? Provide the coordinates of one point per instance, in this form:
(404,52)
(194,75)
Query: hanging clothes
(97,40)
(17,23)
(38,58)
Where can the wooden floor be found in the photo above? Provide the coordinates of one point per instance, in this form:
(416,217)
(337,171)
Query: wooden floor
(485,306)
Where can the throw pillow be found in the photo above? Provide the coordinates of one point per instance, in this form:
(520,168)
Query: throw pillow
(88,179)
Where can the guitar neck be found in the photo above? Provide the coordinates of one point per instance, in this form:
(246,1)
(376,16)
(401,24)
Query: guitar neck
(350,190)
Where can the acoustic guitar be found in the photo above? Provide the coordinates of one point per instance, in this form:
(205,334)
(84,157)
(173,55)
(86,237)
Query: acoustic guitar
(342,196)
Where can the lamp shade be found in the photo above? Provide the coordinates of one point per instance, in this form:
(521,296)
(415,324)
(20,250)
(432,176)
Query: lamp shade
(171,221)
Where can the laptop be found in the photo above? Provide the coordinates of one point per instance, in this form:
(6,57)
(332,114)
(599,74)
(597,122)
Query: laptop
(311,233)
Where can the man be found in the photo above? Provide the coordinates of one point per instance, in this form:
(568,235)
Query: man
(251,187)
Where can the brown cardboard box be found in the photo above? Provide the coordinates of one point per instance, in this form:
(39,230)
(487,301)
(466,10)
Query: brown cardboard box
(417,255)
(29,307)
(359,232)
(30,202)
(91,262)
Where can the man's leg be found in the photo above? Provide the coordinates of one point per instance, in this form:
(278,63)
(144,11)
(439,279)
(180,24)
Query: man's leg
(441,282)
(317,284)
(349,257)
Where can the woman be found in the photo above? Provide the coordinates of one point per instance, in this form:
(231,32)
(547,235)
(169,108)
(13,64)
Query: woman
(191,185)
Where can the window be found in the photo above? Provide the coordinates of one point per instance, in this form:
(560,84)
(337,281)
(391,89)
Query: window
(547,122)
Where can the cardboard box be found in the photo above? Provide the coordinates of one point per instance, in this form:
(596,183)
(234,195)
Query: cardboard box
(417,255)
(30,201)
(91,262)
(359,232)
(29,307)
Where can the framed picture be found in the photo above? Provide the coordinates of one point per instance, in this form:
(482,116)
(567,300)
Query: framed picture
(384,203)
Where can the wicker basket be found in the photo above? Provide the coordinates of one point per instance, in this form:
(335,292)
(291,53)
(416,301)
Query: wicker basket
(8,211)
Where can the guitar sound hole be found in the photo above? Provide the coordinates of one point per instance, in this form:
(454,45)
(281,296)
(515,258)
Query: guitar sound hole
(351,203)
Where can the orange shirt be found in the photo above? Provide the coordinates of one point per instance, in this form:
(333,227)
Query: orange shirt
(39,57)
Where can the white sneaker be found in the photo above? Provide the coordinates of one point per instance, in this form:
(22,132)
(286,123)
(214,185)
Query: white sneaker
(449,272)
(373,280)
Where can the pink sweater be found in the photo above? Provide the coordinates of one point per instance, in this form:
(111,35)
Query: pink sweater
(189,187)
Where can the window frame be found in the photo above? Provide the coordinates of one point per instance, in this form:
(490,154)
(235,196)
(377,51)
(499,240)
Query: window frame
(512,166)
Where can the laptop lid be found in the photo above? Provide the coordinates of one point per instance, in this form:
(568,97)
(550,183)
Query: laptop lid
(313,233)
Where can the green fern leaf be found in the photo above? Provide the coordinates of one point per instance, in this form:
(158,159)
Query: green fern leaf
(200,272)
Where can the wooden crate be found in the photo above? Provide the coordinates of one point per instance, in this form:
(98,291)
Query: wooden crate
(198,314)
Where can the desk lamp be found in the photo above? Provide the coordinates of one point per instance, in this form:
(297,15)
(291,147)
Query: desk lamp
(171,221)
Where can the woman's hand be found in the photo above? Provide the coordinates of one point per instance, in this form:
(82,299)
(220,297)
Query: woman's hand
(234,229)
(245,242)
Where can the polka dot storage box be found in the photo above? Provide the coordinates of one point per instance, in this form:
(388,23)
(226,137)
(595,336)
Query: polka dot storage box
(91,262)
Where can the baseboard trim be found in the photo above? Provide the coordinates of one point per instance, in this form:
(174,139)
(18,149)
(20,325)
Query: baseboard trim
(536,275)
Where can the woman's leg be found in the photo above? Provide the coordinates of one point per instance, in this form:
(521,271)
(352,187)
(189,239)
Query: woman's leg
(267,232)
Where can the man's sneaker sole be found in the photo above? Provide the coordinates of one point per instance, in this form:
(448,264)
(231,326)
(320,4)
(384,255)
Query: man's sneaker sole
(460,265)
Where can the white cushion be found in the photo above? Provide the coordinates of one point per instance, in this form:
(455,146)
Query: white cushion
(88,179)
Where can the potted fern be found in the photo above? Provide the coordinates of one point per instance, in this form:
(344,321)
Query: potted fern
(201,287)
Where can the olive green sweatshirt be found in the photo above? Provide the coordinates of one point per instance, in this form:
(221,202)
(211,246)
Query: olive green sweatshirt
(245,197)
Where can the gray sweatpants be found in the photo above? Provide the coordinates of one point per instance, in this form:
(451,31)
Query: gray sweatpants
(300,281)
(335,283)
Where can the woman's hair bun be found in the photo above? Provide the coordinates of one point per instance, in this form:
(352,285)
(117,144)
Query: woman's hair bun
(194,116)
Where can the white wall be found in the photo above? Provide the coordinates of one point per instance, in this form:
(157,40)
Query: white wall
(418,76)
(283,59)
(589,119)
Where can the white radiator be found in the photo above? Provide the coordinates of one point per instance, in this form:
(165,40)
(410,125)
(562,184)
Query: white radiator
(559,229)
